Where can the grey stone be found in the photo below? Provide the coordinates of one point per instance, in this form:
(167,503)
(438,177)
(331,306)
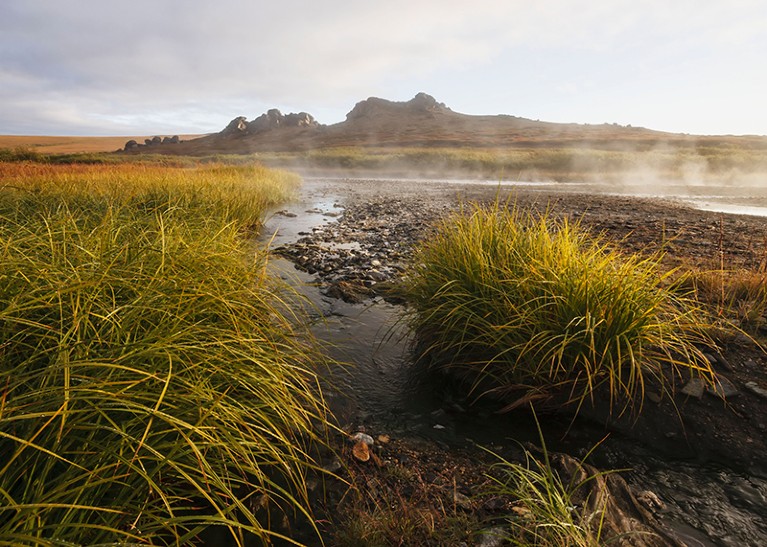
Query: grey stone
(723,388)
(362,438)
(756,389)
(694,388)
(491,537)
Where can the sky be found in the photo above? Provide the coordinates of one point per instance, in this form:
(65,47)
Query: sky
(139,67)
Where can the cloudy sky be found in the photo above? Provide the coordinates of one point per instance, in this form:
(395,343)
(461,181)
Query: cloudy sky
(137,67)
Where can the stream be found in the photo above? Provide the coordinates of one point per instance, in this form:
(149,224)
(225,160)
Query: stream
(705,504)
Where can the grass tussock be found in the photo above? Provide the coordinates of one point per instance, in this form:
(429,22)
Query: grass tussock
(149,387)
(528,307)
(549,511)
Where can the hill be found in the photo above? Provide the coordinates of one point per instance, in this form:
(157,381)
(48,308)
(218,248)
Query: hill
(422,122)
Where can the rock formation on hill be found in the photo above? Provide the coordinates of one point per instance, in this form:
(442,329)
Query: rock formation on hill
(421,122)
(373,107)
(273,119)
(132,145)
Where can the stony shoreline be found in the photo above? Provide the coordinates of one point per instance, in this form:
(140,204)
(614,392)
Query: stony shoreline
(362,249)
(370,242)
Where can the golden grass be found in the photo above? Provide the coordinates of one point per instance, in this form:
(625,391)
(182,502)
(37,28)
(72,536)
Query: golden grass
(72,144)
(527,307)
(151,386)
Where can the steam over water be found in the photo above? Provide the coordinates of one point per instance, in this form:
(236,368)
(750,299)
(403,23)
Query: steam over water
(734,198)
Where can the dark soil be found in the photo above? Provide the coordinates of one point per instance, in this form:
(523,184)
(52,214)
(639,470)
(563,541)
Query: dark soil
(358,257)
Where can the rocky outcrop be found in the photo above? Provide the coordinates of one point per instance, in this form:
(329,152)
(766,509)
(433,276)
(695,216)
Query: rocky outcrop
(272,119)
(237,126)
(373,107)
(134,146)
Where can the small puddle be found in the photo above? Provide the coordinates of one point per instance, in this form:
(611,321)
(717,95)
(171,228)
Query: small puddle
(706,506)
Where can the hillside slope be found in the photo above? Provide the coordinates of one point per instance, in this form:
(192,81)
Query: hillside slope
(423,122)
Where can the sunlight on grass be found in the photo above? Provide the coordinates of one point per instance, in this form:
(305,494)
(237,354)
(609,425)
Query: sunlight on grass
(149,388)
(530,308)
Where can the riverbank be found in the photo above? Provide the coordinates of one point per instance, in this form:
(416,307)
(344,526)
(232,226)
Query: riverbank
(367,236)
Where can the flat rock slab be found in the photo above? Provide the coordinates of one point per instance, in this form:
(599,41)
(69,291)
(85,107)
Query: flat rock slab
(694,388)
(723,388)
(755,388)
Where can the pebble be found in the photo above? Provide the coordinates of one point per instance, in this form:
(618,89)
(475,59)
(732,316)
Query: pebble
(349,252)
(361,437)
(756,389)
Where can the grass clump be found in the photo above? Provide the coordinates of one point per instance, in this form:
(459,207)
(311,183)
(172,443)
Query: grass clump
(528,307)
(549,511)
(150,389)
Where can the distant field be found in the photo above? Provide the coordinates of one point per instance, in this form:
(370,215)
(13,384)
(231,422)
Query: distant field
(683,158)
(71,145)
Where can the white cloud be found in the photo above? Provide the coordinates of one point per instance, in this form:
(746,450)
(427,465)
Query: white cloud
(133,64)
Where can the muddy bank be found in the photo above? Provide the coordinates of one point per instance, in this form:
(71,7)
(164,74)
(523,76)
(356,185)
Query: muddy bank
(701,456)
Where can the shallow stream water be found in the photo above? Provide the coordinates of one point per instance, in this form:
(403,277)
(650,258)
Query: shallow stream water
(705,504)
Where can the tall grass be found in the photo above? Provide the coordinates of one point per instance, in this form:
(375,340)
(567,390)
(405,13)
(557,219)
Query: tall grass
(552,511)
(149,388)
(529,307)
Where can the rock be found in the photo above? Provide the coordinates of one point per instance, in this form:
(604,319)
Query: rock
(722,388)
(718,359)
(373,107)
(360,437)
(462,500)
(756,389)
(492,537)
(156,140)
(694,388)
(334,466)
(265,122)
(237,126)
(130,145)
(302,119)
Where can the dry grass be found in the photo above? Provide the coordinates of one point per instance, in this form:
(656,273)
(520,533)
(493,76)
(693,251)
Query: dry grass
(71,145)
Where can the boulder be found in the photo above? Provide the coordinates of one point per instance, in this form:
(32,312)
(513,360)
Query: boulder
(373,106)
(237,126)
(272,119)
(130,145)
(302,119)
